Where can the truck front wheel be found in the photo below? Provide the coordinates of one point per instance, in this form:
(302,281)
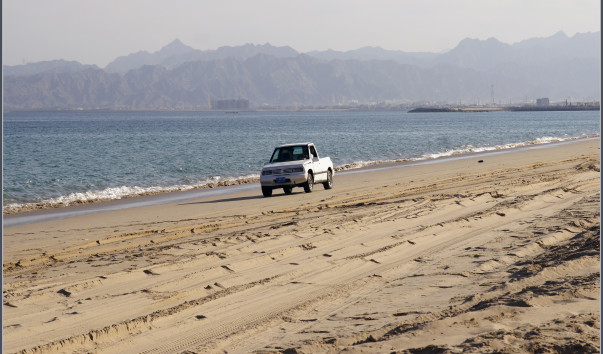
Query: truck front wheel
(309,185)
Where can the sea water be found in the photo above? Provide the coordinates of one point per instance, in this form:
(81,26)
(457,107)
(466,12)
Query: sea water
(54,158)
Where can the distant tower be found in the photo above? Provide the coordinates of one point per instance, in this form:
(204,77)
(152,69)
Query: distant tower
(492,94)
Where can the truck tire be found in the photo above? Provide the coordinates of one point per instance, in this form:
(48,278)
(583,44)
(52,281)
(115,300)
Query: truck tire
(288,190)
(267,191)
(309,185)
(329,183)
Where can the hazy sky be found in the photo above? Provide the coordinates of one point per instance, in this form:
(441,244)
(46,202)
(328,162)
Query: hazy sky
(98,31)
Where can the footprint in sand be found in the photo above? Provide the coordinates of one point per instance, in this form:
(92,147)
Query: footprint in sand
(227,268)
(307,246)
(64,292)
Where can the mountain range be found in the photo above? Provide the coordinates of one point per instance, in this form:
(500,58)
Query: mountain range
(181,77)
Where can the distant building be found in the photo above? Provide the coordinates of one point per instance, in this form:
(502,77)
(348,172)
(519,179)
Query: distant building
(541,102)
(231,104)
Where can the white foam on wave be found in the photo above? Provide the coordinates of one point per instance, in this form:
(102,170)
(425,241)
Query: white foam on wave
(116,193)
(466,150)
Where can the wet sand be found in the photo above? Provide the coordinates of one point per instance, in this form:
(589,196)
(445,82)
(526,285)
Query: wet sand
(460,255)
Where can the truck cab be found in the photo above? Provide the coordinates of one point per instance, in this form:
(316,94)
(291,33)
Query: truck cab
(296,165)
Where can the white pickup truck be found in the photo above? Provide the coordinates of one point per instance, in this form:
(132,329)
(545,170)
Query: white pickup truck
(296,165)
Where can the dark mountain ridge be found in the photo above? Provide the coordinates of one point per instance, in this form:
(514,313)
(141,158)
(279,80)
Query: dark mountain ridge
(180,77)
(57,66)
(177,53)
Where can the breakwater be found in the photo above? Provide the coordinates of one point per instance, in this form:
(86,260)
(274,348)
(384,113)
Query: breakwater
(527,108)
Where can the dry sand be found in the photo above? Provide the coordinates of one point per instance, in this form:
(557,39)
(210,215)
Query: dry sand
(456,256)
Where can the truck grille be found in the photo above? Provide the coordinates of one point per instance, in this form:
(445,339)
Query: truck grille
(282,171)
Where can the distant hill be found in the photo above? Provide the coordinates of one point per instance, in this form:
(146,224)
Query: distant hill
(488,54)
(180,77)
(167,54)
(485,54)
(177,53)
(56,66)
(376,53)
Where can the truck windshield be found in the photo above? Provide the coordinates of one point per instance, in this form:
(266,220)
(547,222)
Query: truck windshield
(290,153)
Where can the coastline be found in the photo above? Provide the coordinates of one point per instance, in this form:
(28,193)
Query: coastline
(82,199)
(577,106)
(453,255)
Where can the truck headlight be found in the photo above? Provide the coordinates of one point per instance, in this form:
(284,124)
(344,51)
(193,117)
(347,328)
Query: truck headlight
(266,172)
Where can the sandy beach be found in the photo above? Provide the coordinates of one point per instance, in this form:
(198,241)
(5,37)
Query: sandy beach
(490,253)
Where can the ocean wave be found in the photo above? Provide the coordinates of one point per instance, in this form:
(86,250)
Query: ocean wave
(115,193)
(457,152)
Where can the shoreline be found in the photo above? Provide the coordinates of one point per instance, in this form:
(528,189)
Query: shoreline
(455,255)
(40,212)
(577,106)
